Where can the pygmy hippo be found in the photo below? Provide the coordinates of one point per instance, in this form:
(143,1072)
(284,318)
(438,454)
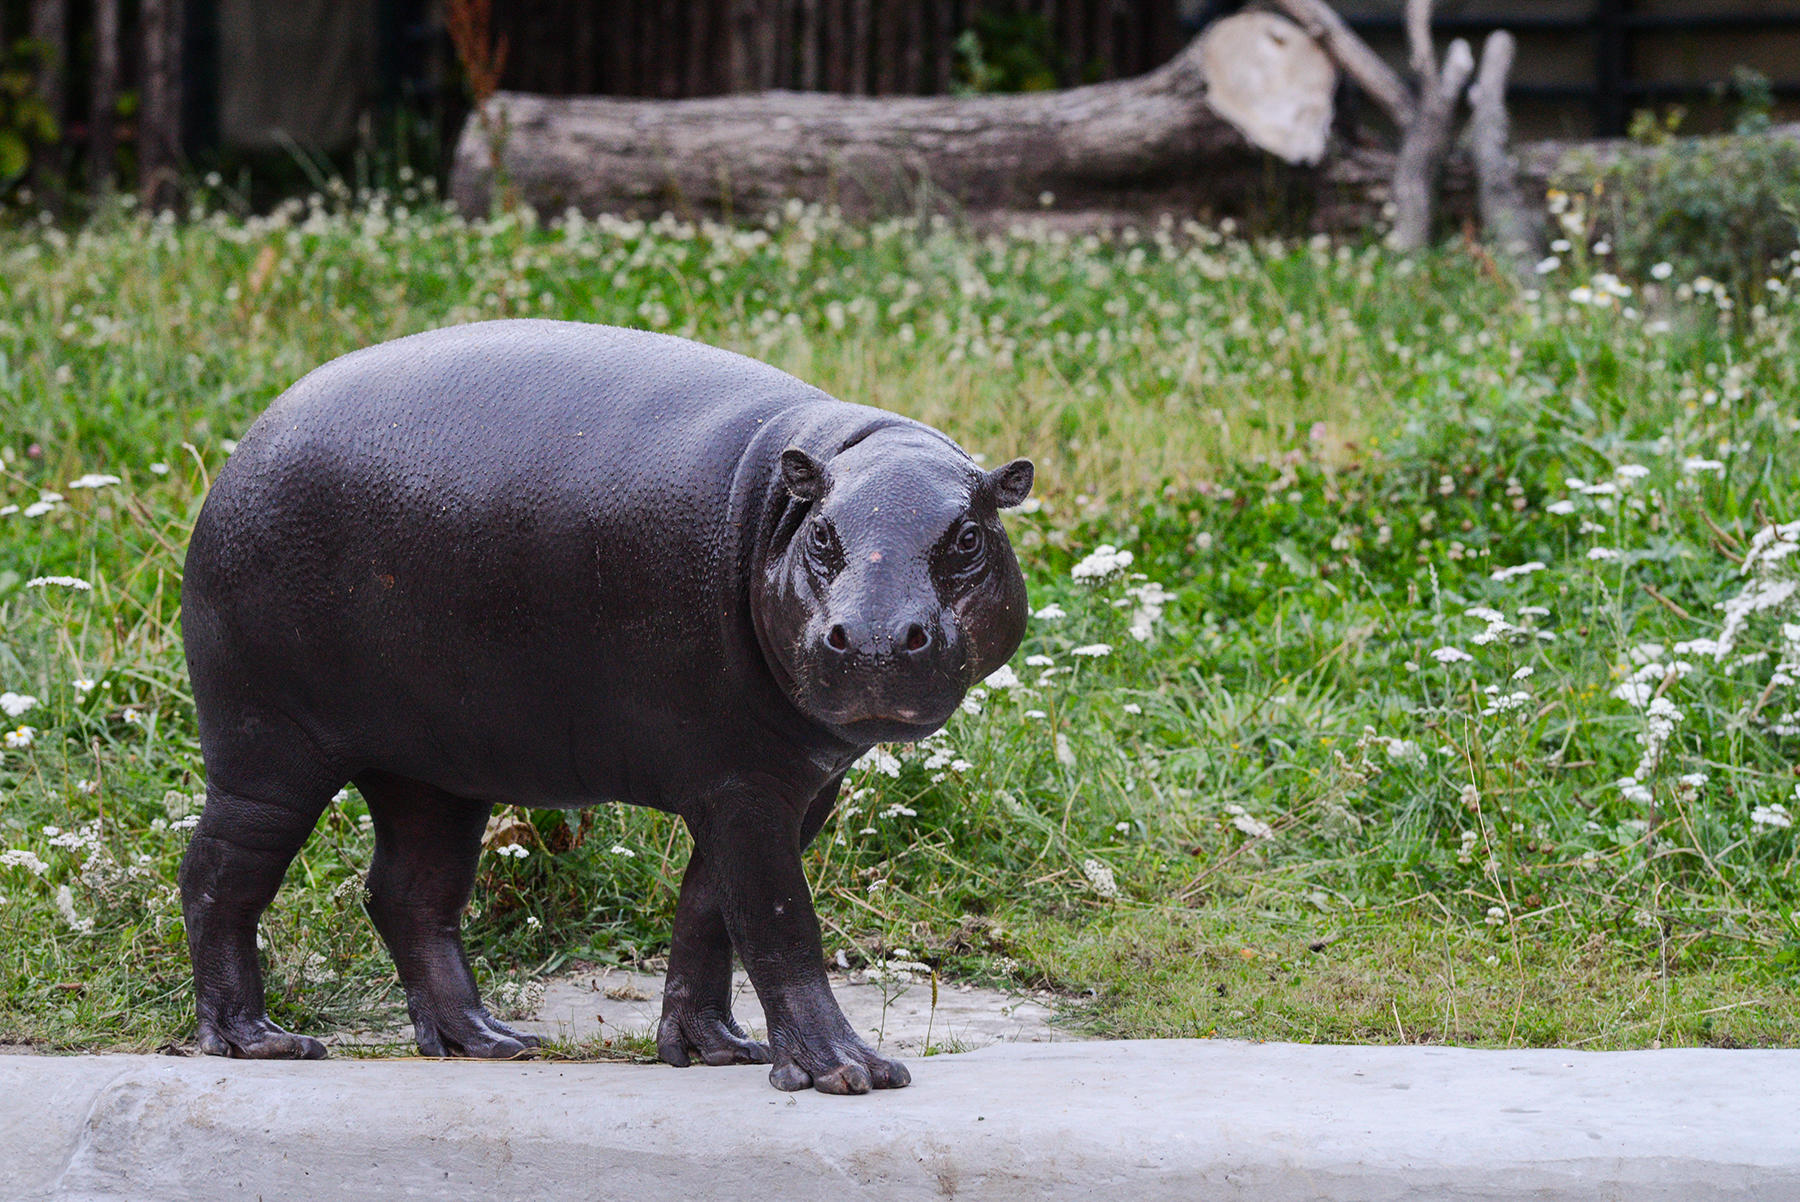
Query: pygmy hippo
(551,564)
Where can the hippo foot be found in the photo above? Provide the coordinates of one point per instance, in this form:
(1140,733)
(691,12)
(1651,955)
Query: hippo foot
(474,1034)
(256,1039)
(840,1066)
(685,1036)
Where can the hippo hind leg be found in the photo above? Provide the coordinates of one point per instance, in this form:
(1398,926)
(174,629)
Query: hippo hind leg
(233,866)
(427,848)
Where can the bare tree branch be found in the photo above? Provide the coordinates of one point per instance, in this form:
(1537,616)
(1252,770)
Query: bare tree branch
(1418,41)
(1426,142)
(1510,224)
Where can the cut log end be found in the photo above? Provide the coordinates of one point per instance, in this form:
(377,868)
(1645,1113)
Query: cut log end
(1271,81)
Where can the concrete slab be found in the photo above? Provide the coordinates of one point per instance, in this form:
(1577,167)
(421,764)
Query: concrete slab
(900,1019)
(1146,1120)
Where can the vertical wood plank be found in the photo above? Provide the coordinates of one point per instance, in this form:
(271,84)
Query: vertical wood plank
(943,61)
(159,116)
(810,36)
(859,46)
(768,21)
(1104,49)
(699,26)
(103,104)
(49,27)
(1071,34)
(912,65)
(887,46)
(837,50)
(781,71)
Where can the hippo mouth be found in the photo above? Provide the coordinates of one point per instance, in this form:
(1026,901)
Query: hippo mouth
(872,721)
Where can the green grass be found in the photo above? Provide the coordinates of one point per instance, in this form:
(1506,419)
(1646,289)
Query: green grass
(1277,816)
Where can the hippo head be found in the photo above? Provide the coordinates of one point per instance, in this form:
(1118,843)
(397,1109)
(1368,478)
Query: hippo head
(890,587)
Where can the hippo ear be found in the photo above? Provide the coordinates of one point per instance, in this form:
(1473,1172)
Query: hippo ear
(1011,484)
(803,476)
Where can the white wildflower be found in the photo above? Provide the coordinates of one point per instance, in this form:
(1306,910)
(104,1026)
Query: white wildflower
(83,686)
(1451,655)
(1038,661)
(1774,816)
(1605,554)
(1100,876)
(1092,650)
(1632,790)
(1503,703)
(159,469)
(94,480)
(23,858)
(1256,828)
(1662,271)
(1103,563)
(65,905)
(16,704)
(1132,707)
(1050,613)
(1694,465)
(1757,595)
(1523,569)
(1560,508)
(878,759)
(22,737)
(1631,471)
(1002,678)
(74,582)
(1151,597)
(619,849)
(1404,751)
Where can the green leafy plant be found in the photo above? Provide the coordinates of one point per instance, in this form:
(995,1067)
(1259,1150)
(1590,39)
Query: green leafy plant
(1723,207)
(25,121)
(1006,52)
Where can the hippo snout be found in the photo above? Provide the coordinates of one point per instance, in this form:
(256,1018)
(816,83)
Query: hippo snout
(906,666)
(907,636)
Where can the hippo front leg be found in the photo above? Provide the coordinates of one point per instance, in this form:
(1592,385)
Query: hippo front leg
(697,1023)
(752,843)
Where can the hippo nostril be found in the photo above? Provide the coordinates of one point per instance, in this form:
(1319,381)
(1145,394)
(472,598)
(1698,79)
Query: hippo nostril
(837,640)
(916,638)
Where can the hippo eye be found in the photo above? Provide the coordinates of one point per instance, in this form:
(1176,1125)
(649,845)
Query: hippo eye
(969,540)
(820,538)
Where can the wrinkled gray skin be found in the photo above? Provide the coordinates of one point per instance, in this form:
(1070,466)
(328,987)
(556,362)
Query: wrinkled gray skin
(551,564)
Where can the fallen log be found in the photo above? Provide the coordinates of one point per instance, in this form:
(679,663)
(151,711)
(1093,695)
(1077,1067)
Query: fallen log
(1187,137)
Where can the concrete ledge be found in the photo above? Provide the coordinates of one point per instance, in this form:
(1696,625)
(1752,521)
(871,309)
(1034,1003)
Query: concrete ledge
(1172,1119)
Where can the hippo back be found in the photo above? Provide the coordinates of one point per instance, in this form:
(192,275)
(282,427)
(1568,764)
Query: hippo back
(507,558)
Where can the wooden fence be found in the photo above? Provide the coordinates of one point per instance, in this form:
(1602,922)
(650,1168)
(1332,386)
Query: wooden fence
(865,47)
(136,85)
